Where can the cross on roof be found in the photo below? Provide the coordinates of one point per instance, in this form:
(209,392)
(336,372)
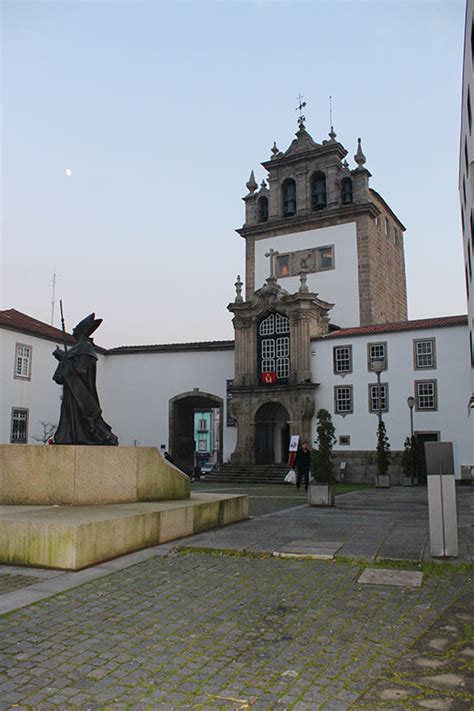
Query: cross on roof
(300,107)
(272,254)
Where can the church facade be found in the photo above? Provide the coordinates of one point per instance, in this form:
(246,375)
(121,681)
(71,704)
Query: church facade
(324,299)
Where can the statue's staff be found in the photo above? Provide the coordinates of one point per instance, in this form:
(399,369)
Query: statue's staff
(62,324)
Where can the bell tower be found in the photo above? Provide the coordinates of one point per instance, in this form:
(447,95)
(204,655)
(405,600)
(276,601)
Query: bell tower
(317,211)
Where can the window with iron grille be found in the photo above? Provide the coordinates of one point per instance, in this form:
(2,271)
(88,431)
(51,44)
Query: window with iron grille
(23,361)
(343,403)
(342,357)
(19,426)
(374,398)
(426,395)
(377,351)
(273,348)
(425,353)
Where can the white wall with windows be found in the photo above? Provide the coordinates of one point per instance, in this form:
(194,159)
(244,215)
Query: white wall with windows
(28,394)
(428,364)
(337,278)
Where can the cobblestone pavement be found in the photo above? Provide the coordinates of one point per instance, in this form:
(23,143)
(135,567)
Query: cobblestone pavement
(186,628)
(204,631)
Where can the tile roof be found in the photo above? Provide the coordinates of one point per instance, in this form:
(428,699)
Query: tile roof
(17,321)
(174,347)
(394,327)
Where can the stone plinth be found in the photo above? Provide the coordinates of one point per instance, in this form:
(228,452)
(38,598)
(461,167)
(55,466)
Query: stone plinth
(81,475)
(74,537)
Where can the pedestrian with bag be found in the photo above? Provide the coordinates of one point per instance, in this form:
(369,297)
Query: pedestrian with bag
(303,464)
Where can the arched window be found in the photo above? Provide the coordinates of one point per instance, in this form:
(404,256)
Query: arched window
(262,209)
(273,350)
(318,191)
(289,197)
(346,191)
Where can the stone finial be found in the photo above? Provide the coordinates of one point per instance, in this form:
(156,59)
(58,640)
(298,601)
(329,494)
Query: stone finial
(345,164)
(359,157)
(332,134)
(251,184)
(275,151)
(303,277)
(238,290)
(263,185)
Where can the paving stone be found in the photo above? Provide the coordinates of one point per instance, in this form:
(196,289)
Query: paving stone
(402,578)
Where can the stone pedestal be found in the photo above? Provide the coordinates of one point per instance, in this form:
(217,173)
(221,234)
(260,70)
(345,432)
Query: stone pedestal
(79,475)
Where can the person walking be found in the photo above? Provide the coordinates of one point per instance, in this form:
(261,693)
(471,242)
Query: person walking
(303,464)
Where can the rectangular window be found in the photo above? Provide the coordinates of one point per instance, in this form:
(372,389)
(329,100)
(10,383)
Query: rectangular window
(344,440)
(342,358)
(268,365)
(374,398)
(19,426)
(326,257)
(377,351)
(424,353)
(23,361)
(283,367)
(469,112)
(426,395)
(343,404)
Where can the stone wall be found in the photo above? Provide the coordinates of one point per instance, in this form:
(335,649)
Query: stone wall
(361,467)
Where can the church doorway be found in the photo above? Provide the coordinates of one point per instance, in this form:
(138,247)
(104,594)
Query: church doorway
(272,434)
(195,429)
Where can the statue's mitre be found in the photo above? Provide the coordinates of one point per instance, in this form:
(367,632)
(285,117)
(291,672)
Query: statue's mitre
(88,325)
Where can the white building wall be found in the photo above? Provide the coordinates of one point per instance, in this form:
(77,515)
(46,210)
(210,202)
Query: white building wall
(451,374)
(135,391)
(338,286)
(40,395)
(466,192)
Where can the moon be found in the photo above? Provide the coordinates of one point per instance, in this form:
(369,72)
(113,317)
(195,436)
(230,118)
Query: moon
(68,172)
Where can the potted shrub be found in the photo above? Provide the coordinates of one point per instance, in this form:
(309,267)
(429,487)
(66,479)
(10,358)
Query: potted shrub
(382,478)
(321,492)
(410,462)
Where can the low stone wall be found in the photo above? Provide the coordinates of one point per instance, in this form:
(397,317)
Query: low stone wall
(361,466)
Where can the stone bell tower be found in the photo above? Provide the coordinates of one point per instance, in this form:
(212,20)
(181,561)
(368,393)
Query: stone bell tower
(313,206)
(273,391)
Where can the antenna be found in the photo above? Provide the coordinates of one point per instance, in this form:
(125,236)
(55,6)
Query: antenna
(53,295)
(330,112)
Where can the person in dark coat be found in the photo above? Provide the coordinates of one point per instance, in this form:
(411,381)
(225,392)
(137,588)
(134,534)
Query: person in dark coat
(81,421)
(303,464)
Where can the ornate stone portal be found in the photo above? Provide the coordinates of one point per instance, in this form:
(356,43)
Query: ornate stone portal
(273,392)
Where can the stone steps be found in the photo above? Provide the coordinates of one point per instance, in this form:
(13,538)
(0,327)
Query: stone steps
(249,474)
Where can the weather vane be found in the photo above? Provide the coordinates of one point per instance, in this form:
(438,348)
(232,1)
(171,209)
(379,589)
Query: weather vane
(300,107)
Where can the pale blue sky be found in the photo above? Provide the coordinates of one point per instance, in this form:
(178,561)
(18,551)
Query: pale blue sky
(162,109)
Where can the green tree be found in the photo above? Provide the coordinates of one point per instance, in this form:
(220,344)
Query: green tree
(322,465)
(383,449)
(410,458)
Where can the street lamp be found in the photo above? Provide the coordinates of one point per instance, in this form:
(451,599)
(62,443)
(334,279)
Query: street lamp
(411,405)
(378,365)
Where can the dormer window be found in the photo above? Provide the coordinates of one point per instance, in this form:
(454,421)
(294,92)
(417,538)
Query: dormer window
(289,197)
(318,191)
(262,209)
(346,191)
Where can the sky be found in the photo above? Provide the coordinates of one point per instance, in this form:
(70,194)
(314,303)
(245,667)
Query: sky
(160,110)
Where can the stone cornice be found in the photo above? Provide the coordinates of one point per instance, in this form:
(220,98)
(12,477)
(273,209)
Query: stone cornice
(312,220)
(311,154)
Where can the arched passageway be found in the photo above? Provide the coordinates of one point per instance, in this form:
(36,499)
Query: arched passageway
(183,446)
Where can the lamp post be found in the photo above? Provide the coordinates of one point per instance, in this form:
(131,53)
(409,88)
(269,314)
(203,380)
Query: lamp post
(377,366)
(411,405)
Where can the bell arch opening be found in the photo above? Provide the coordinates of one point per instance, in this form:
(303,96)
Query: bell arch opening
(272,434)
(195,429)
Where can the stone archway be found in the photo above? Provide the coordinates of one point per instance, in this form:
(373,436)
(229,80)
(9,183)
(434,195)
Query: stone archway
(181,426)
(272,434)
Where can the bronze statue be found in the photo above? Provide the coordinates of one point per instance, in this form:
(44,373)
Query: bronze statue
(81,420)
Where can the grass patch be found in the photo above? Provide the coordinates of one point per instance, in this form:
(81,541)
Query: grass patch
(346,488)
